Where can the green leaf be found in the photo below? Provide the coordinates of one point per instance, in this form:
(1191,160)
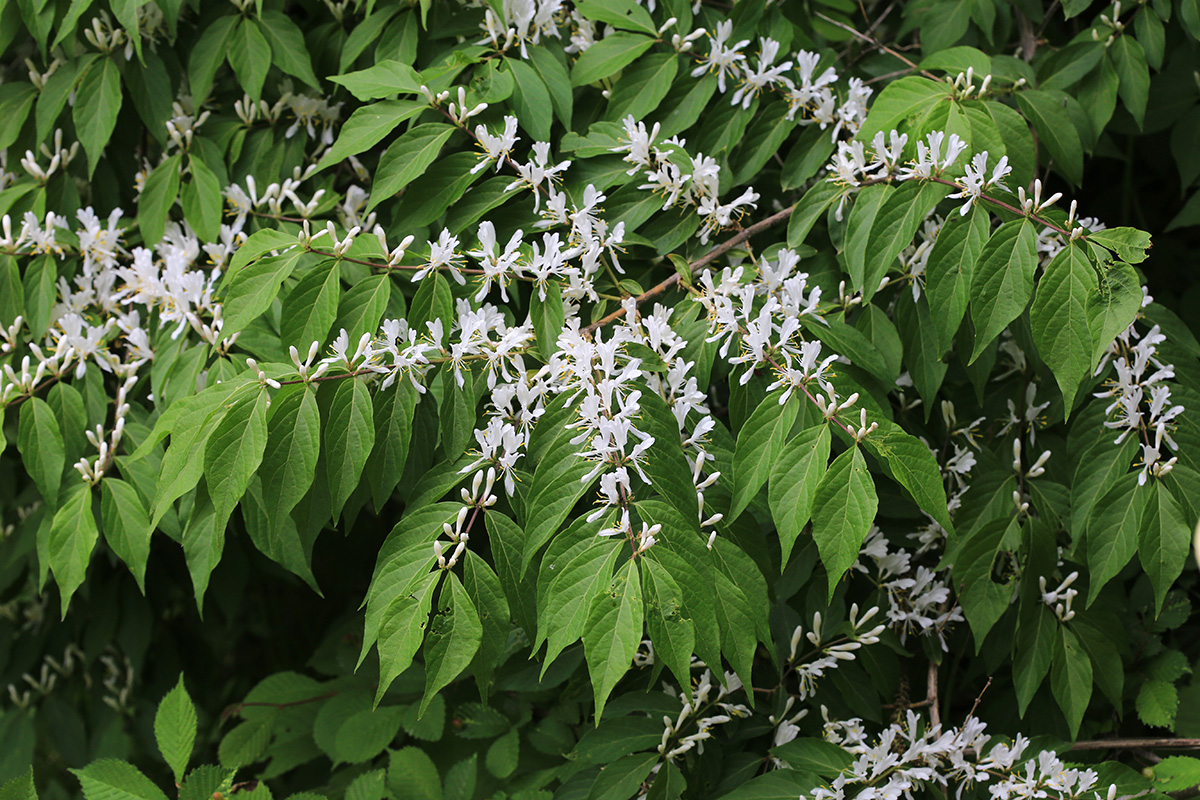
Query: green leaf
(311,307)
(349,438)
(607,56)
(867,203)
(157,198)
(126,526)
(1036,641)
(667,621)
(530,99)
(1059,320)
(1177,773)
(16,99)
(288,49)
(950,269)
(40,442)
(250,56)
(1113,306)
(41,293)
(73,536)
(289,465)
(1164,540)
(234,452)
(623,14)
(407,158)
(814,755)
(1130,244)
(553,72)
(207,54)
(412,773)
(557,485)
(201,200)
(402,627)
(109,779)
(259,242)
(895,225)
(394,411)
(453,639)
(362,306)
(548,319)
(572,581)
(1003,281)
(613,632)
(175,729)
(501,759)
(759,443)
(1157,703)
(794,476)
(622,779)
(643,86)
(1113,525)
(1047,110)
(1071,679)
(368,126)
(843,510)
(898,101)
(1130,60)
(484,589)
(381,80)
(915,468)
(252,290)
(20,787)
(98,101)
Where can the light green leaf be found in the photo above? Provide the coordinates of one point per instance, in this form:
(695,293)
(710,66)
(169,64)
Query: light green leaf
(16,99)
(501,759)
(814,755)
(895,225)
(667,621)
(20,787)
(623,14)
(175,729)
(486,593)
(759,444)
(898,101)
(1003,281)
(109,779)
(609,55)
(367,126)
(98,101)
(613,632)
(573,581)
(402,627)
(1113,306)
(363,305)
(412,773)
(349,439)
(557,485)
(252,289)
(1130,244)
(843,510)
(311,307)
(1046,109)
(260,242)
(794,476)
(126,526)
(553,72)
(915,468)
(407,158)
(381,80)
(453,639)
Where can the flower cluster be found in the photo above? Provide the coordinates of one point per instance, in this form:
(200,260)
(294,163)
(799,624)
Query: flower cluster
(828,653)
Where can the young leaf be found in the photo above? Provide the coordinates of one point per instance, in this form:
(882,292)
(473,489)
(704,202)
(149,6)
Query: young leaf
(367,126)
(843,510)
(175,729)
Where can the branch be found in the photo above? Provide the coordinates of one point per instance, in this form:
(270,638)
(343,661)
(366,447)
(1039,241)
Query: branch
(710,256)
(1136,744)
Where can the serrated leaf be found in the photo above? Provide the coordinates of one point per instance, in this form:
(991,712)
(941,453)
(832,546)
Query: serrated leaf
(412,773)
(1157,703)
(175,729)
(109,779)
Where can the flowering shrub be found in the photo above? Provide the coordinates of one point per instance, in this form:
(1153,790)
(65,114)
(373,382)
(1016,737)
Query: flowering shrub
(592,399)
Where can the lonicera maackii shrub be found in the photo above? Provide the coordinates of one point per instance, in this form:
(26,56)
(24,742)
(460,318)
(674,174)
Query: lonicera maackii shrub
(594,399)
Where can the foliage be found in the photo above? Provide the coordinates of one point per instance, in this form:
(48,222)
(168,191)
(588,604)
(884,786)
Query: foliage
(483,366)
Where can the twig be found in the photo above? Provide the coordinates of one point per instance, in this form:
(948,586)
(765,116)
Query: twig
(975,705)
(1138,744)
(876,43)
(931,695)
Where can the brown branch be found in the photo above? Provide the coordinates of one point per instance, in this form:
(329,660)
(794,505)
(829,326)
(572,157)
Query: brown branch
(1137,744)
(710,256)
(931,695)
(876,43)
